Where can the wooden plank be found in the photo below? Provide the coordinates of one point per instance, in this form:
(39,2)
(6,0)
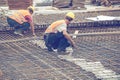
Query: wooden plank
(23,4)
(3,2)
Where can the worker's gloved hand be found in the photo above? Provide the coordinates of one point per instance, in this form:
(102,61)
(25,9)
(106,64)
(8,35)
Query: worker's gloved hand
(34,34)
(74,45)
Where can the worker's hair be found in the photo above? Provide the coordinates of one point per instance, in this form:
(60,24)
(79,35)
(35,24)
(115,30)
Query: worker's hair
(30,10)
(68,18)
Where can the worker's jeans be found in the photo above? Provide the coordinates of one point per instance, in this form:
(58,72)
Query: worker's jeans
(56,41)
(25,26)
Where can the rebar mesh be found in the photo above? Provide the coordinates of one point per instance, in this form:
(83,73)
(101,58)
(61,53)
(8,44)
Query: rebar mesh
(21,59)
(97,46)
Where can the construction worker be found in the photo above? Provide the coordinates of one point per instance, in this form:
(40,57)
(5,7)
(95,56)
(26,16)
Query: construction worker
(56,35)
(21,20)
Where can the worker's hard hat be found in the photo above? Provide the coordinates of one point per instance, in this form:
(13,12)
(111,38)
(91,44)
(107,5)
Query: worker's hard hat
(31,7)
(71,15)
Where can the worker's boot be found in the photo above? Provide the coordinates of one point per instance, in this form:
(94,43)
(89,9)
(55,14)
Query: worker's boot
(18,32)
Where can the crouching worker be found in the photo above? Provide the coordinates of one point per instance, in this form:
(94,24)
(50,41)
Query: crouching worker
(56,35)
(21,20)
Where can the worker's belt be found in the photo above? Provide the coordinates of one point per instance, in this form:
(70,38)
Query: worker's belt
(47,34)
(57,35)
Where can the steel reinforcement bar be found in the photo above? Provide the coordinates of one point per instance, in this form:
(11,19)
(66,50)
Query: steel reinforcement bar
(111,23)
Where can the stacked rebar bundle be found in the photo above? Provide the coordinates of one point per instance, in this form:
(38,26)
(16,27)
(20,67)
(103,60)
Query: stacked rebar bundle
(72,4)
(3,20)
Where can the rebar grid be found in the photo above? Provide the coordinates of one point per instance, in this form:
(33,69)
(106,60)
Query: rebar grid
(23,60)
(96,42)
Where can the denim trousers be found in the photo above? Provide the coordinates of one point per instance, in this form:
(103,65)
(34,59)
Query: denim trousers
(56,41)
(24,26)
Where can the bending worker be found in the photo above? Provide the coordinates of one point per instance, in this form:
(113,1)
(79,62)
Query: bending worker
(56,35)
(22,20)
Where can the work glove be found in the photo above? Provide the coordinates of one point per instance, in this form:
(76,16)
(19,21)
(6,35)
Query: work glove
(34,34)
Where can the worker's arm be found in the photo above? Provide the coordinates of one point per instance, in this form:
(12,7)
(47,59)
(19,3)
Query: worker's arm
(29,19)
(32,28)
(69,38)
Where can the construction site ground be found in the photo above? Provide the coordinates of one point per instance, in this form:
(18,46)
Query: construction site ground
(97,56)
